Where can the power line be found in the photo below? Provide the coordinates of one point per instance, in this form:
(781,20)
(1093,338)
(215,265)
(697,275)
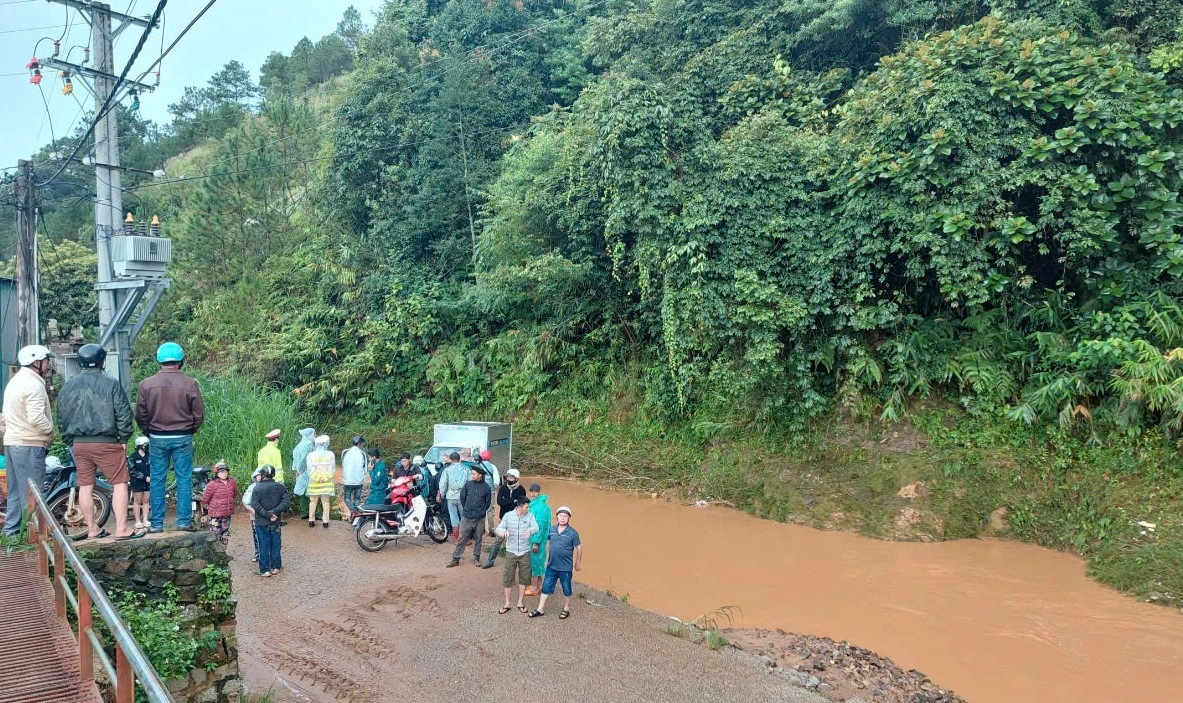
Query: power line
(164,53)
(29,29)
(102,111)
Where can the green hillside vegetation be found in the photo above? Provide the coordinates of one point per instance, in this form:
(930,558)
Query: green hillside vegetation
(789,254)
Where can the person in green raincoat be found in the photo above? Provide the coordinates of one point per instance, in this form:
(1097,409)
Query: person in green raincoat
(300,466)
(541,512)
(379,478)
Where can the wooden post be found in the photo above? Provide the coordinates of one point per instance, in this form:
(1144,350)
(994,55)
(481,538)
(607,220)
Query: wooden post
(59,577)
(125,680)
(28,323)
(85,649)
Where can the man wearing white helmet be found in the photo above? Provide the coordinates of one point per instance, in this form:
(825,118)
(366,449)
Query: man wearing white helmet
(28,429)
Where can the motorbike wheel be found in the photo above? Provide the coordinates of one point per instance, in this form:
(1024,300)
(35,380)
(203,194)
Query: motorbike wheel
(436,529)
(72,523)
(370,545)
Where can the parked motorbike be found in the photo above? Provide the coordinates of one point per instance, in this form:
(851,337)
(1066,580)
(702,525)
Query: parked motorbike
(61,495)
(406,514)
(201,477)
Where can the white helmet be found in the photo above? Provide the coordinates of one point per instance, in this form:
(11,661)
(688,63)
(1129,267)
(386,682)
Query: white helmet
(141,441)
(52,463)
(32,354)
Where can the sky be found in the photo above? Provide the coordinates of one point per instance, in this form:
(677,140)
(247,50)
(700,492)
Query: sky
(247,30)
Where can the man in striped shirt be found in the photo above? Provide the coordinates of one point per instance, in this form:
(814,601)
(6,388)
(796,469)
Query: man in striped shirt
(515,528)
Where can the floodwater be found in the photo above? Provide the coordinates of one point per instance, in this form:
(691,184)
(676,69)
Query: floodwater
(995,621)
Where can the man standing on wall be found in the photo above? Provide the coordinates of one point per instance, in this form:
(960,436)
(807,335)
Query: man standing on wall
(94,416)
(28,429)
(170,410)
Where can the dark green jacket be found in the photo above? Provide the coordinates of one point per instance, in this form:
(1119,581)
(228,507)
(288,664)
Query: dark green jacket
(92,407)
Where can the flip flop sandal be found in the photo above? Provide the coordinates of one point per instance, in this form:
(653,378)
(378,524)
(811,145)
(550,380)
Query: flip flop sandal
(134,535)
(84,536)
(536,614)
(503,610)
(522,609)
(564,615)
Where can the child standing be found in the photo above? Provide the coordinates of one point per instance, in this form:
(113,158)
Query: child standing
(219,497)
(269,500)
(246,503)
(141,477)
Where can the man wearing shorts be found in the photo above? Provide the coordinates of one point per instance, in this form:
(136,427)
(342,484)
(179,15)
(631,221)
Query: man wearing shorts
(95,418)
(566,553)
(515,528)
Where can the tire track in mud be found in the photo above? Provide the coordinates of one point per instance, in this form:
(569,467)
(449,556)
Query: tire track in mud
(310,650)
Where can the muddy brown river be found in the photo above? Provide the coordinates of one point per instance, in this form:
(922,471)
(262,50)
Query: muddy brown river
(998,622)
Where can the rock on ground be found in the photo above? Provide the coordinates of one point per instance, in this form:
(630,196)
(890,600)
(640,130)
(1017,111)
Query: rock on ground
(839,671)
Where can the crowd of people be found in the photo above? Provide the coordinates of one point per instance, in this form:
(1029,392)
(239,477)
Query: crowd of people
(95,419)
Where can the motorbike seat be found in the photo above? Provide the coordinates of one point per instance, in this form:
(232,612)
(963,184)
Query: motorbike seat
(380,507)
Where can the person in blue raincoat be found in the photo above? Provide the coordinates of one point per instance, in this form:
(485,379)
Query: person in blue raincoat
(541,512)
(379,478)
(300,465)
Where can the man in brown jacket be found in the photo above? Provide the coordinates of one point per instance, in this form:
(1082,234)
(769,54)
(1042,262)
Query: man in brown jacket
(169,409)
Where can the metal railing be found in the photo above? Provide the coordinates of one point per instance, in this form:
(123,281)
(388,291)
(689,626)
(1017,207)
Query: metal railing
(55,550)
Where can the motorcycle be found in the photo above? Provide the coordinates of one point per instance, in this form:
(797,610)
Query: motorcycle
(406,514)
(61,495)
(201,477)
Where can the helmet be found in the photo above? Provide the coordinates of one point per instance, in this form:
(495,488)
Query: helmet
(33,353)
(91,356)
(358,439)
(221,465)
(170,352)
(52,463)
(417,461)
(486,455)
(267,471)
(513,472)
(141,441)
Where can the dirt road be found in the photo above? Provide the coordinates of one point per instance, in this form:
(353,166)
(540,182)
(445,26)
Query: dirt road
(341,624)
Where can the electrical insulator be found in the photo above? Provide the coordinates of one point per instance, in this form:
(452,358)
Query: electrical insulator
(158,79)
(135,101)
(68,87)
(57,47)
(35,79)
(33,64)
(63,74)
(86,54)
(155,227)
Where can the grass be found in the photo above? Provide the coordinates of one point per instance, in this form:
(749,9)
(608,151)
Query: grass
(238,415)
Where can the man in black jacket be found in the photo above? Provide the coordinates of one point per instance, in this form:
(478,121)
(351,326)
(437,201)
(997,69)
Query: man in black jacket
(508,494)
(269,499)
(94,417)
(475,499)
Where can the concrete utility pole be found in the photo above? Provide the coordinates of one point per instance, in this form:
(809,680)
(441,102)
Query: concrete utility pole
(118,299)
(28,315)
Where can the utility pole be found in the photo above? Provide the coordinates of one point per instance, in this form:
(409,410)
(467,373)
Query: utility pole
(28,317)
(117,298)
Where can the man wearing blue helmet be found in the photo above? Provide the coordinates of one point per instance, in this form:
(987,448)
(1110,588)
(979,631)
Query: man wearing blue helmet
(169,409)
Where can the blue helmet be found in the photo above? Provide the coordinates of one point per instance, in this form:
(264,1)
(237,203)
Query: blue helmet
(170,352)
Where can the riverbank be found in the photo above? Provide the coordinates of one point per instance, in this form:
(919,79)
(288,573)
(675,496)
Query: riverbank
(940,474)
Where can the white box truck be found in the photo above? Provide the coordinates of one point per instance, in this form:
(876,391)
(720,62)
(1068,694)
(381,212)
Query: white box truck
(497,437)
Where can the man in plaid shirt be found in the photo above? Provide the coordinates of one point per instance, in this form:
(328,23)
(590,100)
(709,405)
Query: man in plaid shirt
(515,528)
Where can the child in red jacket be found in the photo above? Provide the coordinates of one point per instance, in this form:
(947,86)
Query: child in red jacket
(219,498)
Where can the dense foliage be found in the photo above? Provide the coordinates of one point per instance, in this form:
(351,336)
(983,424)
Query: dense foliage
(760,211)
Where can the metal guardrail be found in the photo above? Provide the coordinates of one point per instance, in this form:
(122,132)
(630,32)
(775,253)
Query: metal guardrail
(56,550)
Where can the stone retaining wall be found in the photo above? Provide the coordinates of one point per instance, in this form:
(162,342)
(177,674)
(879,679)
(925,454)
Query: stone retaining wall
(145,566)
